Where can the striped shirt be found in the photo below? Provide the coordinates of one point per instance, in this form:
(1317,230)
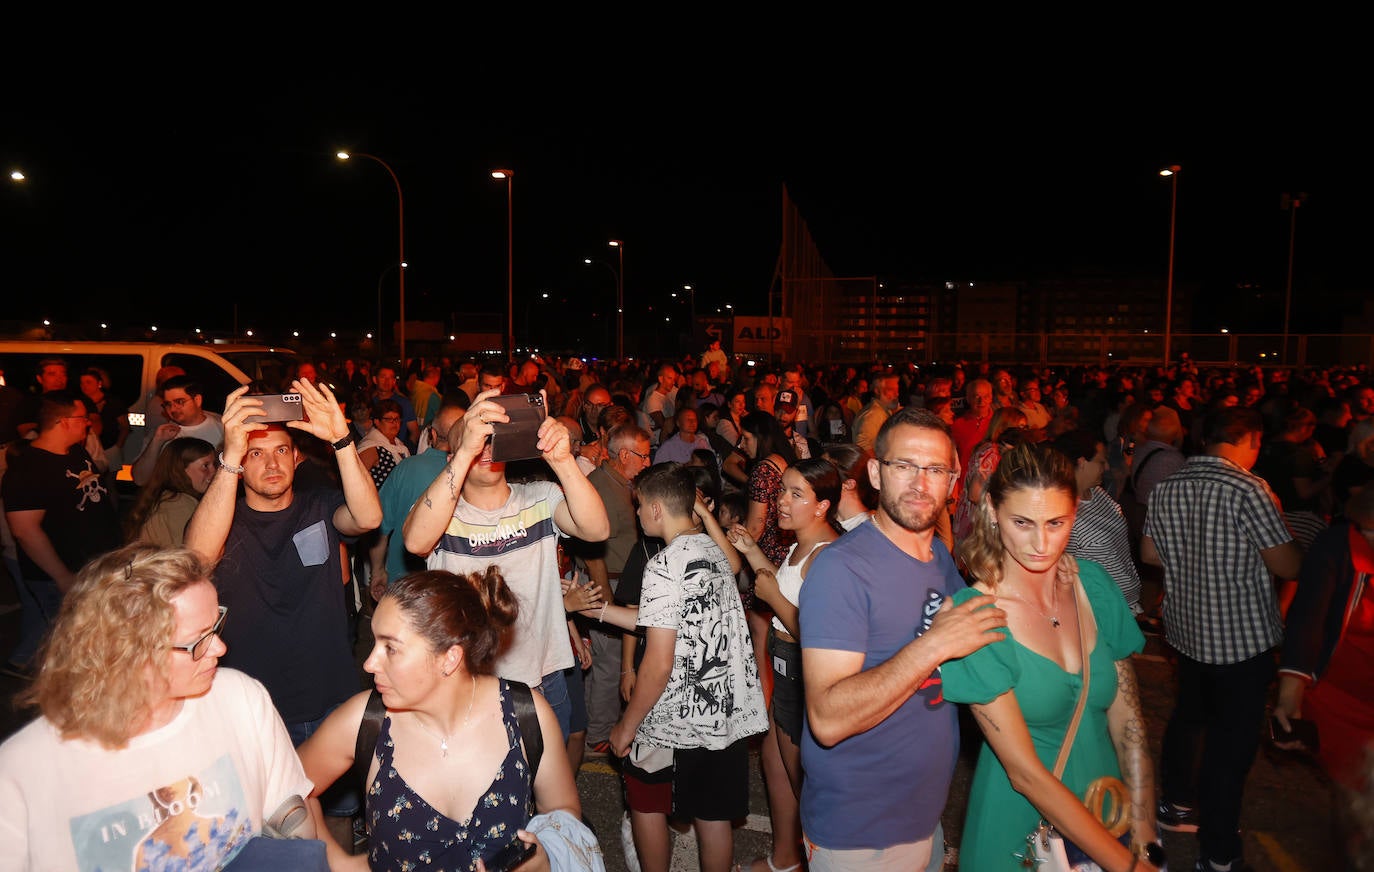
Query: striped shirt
(1209,522)
(1099,534)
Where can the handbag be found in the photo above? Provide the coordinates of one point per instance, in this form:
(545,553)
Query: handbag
(278,846)
(1045,851)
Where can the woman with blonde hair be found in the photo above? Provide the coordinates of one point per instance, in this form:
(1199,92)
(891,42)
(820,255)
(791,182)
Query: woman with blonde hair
(145,753)
(1025,689)
(170,496)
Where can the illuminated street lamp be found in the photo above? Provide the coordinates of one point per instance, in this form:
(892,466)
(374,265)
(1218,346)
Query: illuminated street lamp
(619,246)
(1172,173)
(510,259)
(380,279)
(1291,202)
(401,232)
(17,176)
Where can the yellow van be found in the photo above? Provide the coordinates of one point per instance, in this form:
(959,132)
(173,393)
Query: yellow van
(133,367)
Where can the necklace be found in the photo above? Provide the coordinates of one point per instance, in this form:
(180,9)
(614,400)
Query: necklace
(443,740)
(1053,619)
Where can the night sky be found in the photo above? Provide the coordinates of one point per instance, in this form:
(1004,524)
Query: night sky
(171,198)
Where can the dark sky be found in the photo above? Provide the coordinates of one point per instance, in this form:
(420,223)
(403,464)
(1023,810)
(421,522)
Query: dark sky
(175,197)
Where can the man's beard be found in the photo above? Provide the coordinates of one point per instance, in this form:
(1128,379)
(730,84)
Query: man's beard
(916,518)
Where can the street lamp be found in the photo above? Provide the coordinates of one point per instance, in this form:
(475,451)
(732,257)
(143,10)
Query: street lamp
(619,246)
(1291,202)
(510,261)
(1172,173)
(619,308)
(401,232)
(380,279)
(692,301)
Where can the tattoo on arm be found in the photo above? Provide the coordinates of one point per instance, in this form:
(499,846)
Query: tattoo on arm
(429,504)
(1132,750)
(983,716)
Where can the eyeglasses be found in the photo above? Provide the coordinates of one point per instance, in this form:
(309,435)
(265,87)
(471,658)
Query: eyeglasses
(643,457)
(198,648)
(176,403)
(392,419)
(903,471)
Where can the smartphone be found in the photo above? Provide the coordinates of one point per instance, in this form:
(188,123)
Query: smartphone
(511,856)
(518,439)
(277,408)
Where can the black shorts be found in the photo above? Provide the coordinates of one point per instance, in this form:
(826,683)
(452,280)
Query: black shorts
(789,694)
(712,785)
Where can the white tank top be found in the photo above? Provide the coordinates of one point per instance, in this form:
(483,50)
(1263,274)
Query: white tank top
(790,581)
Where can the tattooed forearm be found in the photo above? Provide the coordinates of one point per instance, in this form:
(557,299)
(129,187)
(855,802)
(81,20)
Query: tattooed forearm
(1132,749)
(429,504)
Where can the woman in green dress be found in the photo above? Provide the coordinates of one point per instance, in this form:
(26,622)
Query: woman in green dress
(1024,689)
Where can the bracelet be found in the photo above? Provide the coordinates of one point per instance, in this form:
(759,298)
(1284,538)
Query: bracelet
(601,618)
(236,470)
(627,672)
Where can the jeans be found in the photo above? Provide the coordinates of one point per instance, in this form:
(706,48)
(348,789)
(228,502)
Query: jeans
(342,799)
(554,687)
(1221,707)
(39,602)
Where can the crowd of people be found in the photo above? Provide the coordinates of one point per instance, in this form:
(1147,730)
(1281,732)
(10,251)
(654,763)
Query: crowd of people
(695,557)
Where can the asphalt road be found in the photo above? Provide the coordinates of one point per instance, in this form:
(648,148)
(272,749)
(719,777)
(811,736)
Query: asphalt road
(1286,820)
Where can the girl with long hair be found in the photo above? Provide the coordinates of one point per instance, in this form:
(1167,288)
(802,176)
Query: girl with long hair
(169,498)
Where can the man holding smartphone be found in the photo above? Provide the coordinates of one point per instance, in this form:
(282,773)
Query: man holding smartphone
(471,517)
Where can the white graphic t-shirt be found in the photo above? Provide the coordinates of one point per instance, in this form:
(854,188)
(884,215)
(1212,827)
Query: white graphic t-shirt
(185,796)
(713,697)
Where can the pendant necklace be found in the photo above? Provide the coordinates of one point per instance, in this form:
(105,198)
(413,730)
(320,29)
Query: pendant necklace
(1053,619)
(443,740)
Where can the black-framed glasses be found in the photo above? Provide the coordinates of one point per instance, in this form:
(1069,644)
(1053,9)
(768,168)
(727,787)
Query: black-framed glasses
(175,402)
(907,471)
(644,457)
(198,648)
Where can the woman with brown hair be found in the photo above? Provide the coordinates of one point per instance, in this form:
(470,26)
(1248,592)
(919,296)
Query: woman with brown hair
(170,496)
(983,462)
(1025,689)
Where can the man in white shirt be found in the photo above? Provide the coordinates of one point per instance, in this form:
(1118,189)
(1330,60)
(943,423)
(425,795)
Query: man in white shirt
(182,403)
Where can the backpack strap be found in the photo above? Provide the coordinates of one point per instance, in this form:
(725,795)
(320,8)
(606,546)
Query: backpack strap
(369,729)
(523,699)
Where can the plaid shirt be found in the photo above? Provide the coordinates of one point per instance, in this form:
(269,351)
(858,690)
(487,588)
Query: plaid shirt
(1209,522)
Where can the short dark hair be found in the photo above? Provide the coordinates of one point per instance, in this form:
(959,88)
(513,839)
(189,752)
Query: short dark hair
(670,484)
(1080,443)
(183,382)
(53,406)
(1232,424)
(912,416)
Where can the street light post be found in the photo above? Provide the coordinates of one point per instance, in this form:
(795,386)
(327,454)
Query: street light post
(381,278)
(619,246)
(401,231)
(509,176)
(1291,202)
(1172,173)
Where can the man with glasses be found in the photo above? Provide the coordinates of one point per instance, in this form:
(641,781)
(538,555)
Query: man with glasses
(60,514)
(182,402)
(278,561)
(879,744)
(627,455)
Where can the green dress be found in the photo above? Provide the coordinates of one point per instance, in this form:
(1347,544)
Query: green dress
(998,817)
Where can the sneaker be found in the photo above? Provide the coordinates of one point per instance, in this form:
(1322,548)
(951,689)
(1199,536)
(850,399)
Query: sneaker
(598,749)
(1176,818)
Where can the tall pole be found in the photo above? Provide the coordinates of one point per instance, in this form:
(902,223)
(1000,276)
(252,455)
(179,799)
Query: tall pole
(509,176)
(401,245)
(1291,202)
(619,246)
(1172,173)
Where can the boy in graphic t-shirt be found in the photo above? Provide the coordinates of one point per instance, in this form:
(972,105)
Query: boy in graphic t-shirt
(697,697)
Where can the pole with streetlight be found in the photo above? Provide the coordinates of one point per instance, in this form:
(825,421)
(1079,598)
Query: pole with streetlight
(401,230)
(1291,202)
(1171,172)
(509,178)
(619,246)
(381,278)
(619,309)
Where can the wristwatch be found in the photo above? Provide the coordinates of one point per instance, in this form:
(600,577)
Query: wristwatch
(236,470)
(343,443)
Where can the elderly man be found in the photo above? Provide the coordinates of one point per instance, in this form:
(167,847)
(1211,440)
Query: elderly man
(470,517)
(886,393)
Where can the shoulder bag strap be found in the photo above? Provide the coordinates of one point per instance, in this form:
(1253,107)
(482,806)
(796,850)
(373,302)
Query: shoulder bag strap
(369,728)
(1082,695)
(523,699)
